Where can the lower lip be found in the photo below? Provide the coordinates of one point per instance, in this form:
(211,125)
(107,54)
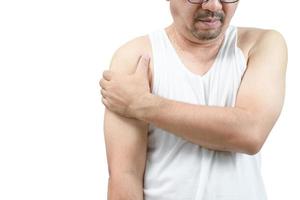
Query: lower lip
(211,24)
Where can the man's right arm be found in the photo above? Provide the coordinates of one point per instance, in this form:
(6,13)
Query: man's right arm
(126,153)
(125,139)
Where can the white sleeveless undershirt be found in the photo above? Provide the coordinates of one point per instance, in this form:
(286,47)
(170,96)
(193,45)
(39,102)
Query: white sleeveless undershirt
(177,169)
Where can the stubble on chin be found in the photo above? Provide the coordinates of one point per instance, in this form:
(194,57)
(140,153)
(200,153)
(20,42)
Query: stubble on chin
(206,34)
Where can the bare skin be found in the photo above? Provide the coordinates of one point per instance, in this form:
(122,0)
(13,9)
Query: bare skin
(128,136)
(134,134)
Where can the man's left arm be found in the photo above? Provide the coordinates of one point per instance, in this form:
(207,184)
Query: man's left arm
(243,128)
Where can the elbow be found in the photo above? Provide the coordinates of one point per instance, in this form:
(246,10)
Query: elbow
(250,146)
(255,143)
(253,148)
(250,134)
(248,140)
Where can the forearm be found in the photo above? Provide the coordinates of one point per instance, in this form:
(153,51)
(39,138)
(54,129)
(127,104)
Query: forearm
(217,128)
(125,187)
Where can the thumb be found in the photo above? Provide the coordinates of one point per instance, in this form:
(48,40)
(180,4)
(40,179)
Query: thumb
(143,65)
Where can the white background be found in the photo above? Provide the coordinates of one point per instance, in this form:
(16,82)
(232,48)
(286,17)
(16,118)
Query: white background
(52,55)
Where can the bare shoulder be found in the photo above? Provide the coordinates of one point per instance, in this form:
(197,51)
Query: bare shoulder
(126,57)
(253,39)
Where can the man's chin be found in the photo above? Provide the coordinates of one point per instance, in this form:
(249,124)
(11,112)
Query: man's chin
(207,34)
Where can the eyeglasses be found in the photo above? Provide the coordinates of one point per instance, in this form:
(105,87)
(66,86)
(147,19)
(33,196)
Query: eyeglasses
(204,1)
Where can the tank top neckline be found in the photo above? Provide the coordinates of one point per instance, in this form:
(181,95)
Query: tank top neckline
(184,67)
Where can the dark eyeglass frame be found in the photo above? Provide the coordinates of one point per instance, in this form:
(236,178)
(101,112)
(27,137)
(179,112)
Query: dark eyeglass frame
(204,1)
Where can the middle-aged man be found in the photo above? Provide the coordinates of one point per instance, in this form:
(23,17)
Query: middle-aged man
(187,120)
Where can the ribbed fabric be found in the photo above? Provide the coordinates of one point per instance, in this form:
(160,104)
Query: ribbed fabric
(177,169)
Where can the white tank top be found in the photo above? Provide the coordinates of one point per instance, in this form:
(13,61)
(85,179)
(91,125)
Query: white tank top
(177,169)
